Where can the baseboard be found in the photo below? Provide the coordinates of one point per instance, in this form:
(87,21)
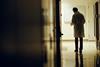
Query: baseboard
(74,40)
(67,40)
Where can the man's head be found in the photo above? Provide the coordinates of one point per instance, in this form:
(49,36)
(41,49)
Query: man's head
(75,9)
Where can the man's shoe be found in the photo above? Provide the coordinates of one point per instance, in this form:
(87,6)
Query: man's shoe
(76,50)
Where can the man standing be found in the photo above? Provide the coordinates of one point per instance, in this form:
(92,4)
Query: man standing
(78,21)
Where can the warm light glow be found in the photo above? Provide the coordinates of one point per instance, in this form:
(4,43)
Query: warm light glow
(67,13)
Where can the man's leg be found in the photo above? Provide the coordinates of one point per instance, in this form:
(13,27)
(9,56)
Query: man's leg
(81,44)
(76,44)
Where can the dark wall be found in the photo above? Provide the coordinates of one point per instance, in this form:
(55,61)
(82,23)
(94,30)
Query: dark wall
(20,33)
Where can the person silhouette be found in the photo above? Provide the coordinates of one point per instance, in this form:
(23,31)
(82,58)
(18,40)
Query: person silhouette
(78,22)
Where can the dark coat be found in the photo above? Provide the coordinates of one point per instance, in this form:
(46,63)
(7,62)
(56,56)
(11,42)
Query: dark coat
(78,21)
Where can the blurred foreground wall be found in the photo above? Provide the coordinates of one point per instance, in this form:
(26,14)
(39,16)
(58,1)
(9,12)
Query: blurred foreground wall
(20,33)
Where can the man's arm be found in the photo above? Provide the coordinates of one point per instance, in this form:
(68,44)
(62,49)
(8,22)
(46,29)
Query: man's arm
(73,20)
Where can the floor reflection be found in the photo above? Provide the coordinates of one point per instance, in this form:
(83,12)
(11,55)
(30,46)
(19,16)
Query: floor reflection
(78,60)
(90,56)
(97,59)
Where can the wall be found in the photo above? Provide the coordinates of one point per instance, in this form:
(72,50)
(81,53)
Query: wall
(86,8)
(99,20)
(91,19)
(48,29)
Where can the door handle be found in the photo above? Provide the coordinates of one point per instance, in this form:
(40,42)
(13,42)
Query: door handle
(60,34)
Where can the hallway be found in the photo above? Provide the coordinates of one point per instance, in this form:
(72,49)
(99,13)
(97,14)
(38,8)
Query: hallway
(90,56)
(30,33)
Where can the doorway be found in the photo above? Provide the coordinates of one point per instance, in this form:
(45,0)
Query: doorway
(86,8)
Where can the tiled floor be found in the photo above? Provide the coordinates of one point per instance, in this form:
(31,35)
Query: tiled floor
(90,56)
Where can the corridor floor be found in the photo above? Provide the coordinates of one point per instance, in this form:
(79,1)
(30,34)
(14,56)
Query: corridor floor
(90,56)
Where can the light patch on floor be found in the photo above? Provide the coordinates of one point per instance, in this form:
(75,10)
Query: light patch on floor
(68,54)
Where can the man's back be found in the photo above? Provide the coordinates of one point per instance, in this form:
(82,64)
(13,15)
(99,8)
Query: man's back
(78,18)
